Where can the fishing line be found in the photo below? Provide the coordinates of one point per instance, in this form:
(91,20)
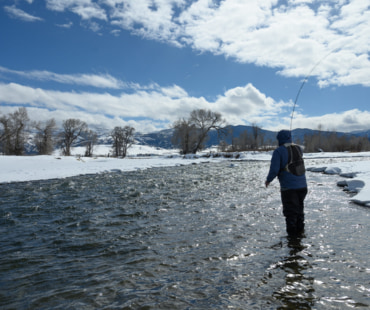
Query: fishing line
(304,82)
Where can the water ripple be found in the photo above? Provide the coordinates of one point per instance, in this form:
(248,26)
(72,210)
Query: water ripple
(206,236)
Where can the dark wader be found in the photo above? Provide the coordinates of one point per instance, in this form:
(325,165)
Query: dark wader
(293,210)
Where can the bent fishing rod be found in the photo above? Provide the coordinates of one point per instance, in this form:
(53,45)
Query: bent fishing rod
(304,82)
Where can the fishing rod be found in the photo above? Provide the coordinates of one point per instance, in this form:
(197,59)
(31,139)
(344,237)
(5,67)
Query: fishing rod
(304,82)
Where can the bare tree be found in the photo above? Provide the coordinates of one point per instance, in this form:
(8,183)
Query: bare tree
(190,135)
(5,134)
(2,128)
(44,138)
(204,121)
(258,137)
(246,141)
(184,136)
(20,122)
(128,139)
(13,135)
(117,134)
(123,137)
(72,130)
(91,138)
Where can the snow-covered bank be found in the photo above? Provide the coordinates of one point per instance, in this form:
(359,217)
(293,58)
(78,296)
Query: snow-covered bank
(18,169)
(29,168)
(357,174)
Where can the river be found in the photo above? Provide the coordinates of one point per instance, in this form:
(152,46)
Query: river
(206,236)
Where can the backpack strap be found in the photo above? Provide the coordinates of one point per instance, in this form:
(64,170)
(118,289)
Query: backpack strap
(289,147)
(297,149)
(290,155)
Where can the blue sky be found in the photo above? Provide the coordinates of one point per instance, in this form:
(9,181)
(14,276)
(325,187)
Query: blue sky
(146,63)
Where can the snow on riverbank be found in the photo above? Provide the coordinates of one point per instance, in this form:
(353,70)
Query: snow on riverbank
(29,168)
(357,174)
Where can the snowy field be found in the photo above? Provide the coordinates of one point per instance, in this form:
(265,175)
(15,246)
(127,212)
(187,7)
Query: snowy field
(30,168)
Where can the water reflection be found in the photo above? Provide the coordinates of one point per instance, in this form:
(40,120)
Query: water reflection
(297,291)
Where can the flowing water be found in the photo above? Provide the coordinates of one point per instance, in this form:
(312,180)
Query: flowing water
(206,236)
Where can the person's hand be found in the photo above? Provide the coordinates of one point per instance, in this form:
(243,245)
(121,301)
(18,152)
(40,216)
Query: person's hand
(267,183)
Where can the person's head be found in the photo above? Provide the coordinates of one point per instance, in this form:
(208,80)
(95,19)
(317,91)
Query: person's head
(284,136)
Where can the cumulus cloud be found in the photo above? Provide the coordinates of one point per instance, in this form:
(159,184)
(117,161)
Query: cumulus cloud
(153,108)
(86,9)
(151,19)
(347,121)
(290,36)
(160,105)
(246,105)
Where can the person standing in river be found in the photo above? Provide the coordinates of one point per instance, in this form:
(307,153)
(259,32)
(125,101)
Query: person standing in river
(293,184)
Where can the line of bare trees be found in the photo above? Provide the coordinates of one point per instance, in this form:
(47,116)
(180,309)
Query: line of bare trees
(331,142)
(248,141)
(15,131)
(191,134)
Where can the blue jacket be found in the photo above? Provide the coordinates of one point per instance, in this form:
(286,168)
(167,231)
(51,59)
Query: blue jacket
(278,162)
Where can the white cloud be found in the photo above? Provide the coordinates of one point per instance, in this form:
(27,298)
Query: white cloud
(86,9)
(153,104)
(14,12)
(174,92)
(290,36)
(154,107)
(100,81)
(150,19)
(246,103)
(89,12)
(269,117)
(94,26)
(347,121)
(162,105)
(66,25)
(116,32)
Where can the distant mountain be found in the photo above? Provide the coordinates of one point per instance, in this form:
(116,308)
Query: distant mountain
(365,133)
(163,138)
(160,139)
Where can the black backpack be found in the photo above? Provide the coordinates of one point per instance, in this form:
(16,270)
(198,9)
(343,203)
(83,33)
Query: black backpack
(295,163)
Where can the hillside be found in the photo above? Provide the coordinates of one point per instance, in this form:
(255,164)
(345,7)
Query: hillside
(163,138)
